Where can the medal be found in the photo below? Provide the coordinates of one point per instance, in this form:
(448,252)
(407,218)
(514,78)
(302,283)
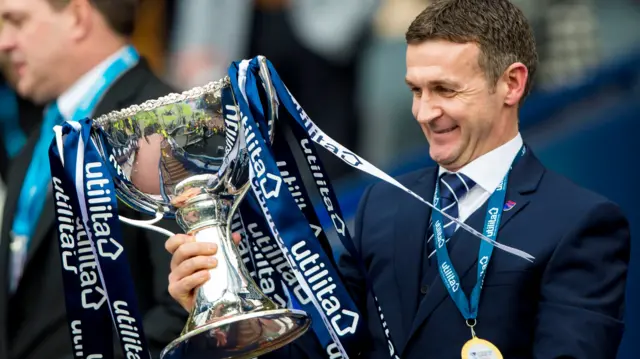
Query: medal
(477,348)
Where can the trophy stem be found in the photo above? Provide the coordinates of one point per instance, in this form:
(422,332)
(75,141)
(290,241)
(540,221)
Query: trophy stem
(229,283)
(232,317)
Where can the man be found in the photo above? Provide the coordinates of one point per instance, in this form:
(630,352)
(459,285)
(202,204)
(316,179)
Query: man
(470,64)
(72,56)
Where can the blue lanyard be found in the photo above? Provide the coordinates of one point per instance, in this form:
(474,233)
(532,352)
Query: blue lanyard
(448,274)
(35,183)
(34,188)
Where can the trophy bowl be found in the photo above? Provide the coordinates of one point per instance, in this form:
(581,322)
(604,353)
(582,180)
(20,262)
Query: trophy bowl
(172,156)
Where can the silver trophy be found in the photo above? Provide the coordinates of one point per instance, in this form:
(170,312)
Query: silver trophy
(172,156)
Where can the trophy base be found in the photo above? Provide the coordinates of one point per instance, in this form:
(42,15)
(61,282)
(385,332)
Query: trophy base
(242,336)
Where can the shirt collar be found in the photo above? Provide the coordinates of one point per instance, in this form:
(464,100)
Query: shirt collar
(489,169)
(69,101)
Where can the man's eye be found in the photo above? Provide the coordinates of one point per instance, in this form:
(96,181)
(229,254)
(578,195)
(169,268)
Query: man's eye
(416,91)
(16,22)
(444,91)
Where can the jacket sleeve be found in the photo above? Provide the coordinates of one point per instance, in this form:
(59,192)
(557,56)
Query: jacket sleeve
(583,288)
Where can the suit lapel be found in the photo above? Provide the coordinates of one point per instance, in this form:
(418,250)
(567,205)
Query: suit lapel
(411,224)
(126,90)
(464,247)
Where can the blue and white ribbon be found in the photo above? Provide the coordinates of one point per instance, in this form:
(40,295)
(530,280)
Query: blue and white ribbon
(85,195)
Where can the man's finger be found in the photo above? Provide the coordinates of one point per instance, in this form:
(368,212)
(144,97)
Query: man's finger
(192,249)
(236,238)
(176,241)
(192,266)
(182,290)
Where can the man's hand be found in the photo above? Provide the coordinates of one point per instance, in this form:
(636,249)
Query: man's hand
(190,266)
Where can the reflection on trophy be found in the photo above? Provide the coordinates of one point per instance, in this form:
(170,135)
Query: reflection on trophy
(172,155)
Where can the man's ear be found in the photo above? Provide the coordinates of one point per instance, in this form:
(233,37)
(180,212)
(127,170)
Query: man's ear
(514,80)
(80,13)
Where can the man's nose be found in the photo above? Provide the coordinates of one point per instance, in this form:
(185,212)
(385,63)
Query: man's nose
(428,110)
(7,39)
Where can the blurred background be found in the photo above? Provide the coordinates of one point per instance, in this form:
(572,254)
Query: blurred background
(344,62)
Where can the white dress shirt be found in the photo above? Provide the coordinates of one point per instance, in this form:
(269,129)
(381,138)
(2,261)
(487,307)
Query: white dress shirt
(71,99)
(487,171)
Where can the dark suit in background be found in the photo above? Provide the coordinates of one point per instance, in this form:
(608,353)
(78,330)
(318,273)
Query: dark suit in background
(568,303)
(33,320)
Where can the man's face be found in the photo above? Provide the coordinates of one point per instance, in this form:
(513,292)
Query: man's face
(453,101)
(35,39)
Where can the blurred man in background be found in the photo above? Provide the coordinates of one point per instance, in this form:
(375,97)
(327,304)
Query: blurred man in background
(73,56)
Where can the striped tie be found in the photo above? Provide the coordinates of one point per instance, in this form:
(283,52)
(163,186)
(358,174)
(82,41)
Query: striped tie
(453,186)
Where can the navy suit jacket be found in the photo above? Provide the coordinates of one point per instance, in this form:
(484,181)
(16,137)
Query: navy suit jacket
(568,303)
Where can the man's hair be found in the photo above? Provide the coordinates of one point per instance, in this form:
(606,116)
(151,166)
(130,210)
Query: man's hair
(498,27)
(119,14)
